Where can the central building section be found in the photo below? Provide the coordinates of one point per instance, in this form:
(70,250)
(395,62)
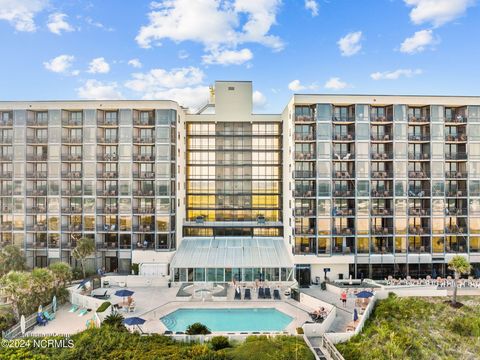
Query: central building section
(233,228)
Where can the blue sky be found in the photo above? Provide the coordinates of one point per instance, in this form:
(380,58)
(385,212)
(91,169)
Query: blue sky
(176,48)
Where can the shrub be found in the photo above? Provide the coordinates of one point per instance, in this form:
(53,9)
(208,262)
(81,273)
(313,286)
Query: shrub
(135,268)
(465,326)
(103,307)
(219,343)
(114,320)
(299,330)
(197,329)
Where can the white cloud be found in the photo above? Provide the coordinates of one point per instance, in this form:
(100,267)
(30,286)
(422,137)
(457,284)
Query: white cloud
(394,75)
(312,6)
(335,83)
(228,57)
(61,64)
(437,12)
(97,90)
(218,25)
(191,96)
(183,54)
(21,13)
(98,65)
(296,85)
(418,42)
(97,24)
(135,63)
(57,23)
(259,100)
(350,44)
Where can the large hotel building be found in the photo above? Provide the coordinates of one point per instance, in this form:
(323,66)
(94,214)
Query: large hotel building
(344,185)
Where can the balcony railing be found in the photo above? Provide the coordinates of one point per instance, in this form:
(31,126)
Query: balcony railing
(72,210)
(418,230)
(381,249)
(343,137)
(304,231)
(72,192)
(107,174)
(144,122)
(382,174)
(305,193)
(382,156)
(343,156)
(343,174)
(376,118)
(418,192)
(382,212)
(70,122)
(107,157)
(143,158)
(144,210)
(146,245)
(419,137)
(6,175)
(456,174)
(304,212)
(31,157)
(140,193)
(456,119)
(455,229)
(107,122)
(107,227)
(107,192)
(419,249)
(37,175)
(39,209)
(304,118)
(419,174)
(107,140)
(72,140)
(144,139)
(37,140)
(304,156)
(343,193)
(143,175)
(416,211)
(455,156)
(37,227)
(418,119)
(304,137)
(5,227)
(304,174)
(70,157)
(144,228)
(72,227)
(346,231)
(456,193)
(344,212)
(456,211)
(418,156)
(37,122)
(40,244)
(6,123)
(456,138)
(382,193)
(380,230)
(6,140)
(72,175)
(343,118)
(107,245)
(107,210)
(343,250)
(382,137)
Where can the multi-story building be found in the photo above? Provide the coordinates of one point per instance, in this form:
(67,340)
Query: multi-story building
(336,185)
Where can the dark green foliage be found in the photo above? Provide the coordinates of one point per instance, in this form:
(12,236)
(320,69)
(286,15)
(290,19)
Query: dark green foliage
(114,321)
(135,268)
(219,343)
(103,307)
(197,329)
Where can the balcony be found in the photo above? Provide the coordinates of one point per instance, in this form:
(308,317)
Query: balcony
(72,192)
(456,119)
(6,139)
(107,157)
(38,192)
(72,157)
(380,230)
(381,212)
(141,193)
(343,212)
(37,175)
(40,245)
(7,209)
(110,209)
(343,137)
(71,210)
(382,193)
(107,140)
(455,229)
(418,156)
(418,230)
(107,228)
(380,119)
(304,231)
(72,175)
(342,250)
(456,138)
(456,211)
(144,210)
(109,192)
(143,158)
(382,174)
(456,193)
(107,122)
(71,123)
(343,174)
(37,140)
(144,140)
(71,140)
(6,175)
(418,137)
(146,245)
(107,174)
(37,122)
(144,122)
(144,228)
(343,193)
(5,227)
(37,228)
(456,174)
(304,212)
(419,174)
(144,175)
(382,137)
(346,231)
(304,137)
(381,249)
(72,227)
(455,156)
(304,156)
(6,123)
(6,192)
(343,118)
(381,156)
(304,118)
(417,211)
(418,193)
(39,209)
(343,156)
(31,157)
(419,119)
(107,245)
(305,193)
(304,174)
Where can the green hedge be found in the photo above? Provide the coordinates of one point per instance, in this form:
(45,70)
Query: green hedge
(103,307)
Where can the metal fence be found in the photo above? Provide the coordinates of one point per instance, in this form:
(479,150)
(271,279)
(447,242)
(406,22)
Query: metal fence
(16,331)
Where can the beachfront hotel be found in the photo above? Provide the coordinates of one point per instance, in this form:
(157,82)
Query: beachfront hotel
(339,185)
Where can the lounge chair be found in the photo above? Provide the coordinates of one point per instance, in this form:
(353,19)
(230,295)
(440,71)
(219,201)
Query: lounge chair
(261,293)
(41,320)
(74,308)
(48,316)
(238,295)
(82,312)
(104,296)
(268,294)
(168,332)
(276,294)
(247,295)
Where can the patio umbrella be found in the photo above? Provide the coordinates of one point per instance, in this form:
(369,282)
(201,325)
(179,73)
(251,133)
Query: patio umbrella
(40,309)
(22,324)
(124,293)
(364,294)
(355,314)
(54,304)
(84,282)
(131,321)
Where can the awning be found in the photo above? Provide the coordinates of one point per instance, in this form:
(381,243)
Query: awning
(238,252)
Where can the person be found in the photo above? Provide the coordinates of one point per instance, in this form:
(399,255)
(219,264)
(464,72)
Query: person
(145,243)
(343,297)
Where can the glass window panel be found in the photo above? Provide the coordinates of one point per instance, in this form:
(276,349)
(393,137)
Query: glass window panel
(362,150)
(363,132)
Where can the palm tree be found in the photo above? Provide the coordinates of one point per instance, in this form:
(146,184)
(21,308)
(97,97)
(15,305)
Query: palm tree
(114,320)
(11,258)
(62,274)
(460,266)
(16,286)
(85,247)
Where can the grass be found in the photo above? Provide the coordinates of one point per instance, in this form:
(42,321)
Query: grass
(418,329)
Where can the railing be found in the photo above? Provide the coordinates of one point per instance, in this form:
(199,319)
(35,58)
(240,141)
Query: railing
(382,137)
(419,174)
(37,122)
(107,174)
(417,156)
(456,119)
(304,212)
(304,156)
(70,122)
(343,156)
(343,137)
(6,175)
(456,174)
(138,193)
(144,122)
(72,227)
(107,227)
(144,175)
(382,193)
(109,122)
(72,140)
(36,157)
(304,136)
(305,193)
(107,210)
(331,350)
(419,118)
(418,192)
(343,174)
(455,156)
(71,192)
(456,138)
(69,157)
(343,118)
(304,174)
(107,157)
(382,212)
(143,210)
(6,140)
(303,231)
(380,230)
(343,193)
(108,140)
(144,140)
(382,156)
(72,210)
(382,174)
(418,212)
(143,157)
(37,140)
(304,118)
(8,122)
(376,118)
(343,231)
(344,212)
(415,137)
(456,211)
(418,230)
(377,250)
(36,210)
(72,175)
(144,228)
(110,192)
(30,321)
(455,229)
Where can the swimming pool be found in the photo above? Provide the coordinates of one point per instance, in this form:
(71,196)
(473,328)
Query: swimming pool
(232,320)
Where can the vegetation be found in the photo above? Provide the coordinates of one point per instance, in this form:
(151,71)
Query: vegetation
(460,266)
(418,328)
(106,343)
(11,258)
(85,247)
(219,343)
(197,329)
(114,321)
(103,307)
(25,291)
(7,319)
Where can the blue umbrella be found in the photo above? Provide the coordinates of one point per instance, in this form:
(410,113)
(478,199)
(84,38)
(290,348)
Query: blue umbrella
(364,294)
(84,281)
(355,314)
(124,293)
(134,321)
(434,273)
(54,304)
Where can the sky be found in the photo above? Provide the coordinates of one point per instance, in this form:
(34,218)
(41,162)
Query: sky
(176,49)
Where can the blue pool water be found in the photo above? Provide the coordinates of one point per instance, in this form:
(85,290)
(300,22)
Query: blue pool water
(233,320)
